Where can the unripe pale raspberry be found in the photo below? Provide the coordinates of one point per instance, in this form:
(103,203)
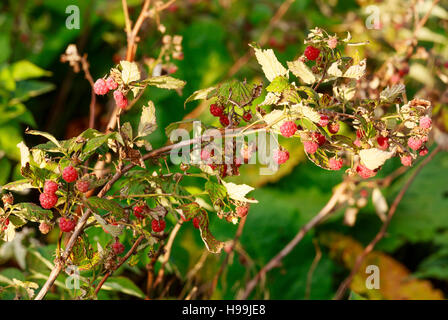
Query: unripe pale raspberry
(48,200)
(44,227)
(224,120)
(310,146)
(335,164)
(365,172)
(69,174)
(333,127)
(83,185)
(414,143)
(319,138)
(216,110)
(311,53)
(138,210)
(196,222)
(281,156)
(357,143)
(425,122)
(247,116)
(423,151)
(120,99)
(288,129)
(118,247)
(205,154)
(406,160)
(50,187)
(66,225)
(158,225)
(100,87)
(111,84)
(332,42)
(323,122)
(242,211)
(383,142)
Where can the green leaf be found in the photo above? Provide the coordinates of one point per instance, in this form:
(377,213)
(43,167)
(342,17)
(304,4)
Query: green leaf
(113,230)
(94,143)
(97,203)
(23,70)
(200,95)
(165,82)
(46,135)
(28,89)
(31,212)
(279,84)
(216,191)
(123,285)
(18,185)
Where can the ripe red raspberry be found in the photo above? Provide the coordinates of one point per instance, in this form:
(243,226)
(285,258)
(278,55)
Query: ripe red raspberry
(281,156)
(319,138)
(242,211)
(50,187)
(66,225)
(423,151)
(360,133)
(333,127)
(118,247)
(111,84)
(323,122)
(425,122)
(311,53)
(196,222)
(406,160)
(48,200)
(205,154)
(138,210)
(83,185)
(310,146)
(383,142)
(404,71)
(247,116)
(288,128)
(224,120)
(100,87)
(69,174)
(414,143)
(158,225)
(120,99)
(365,172)
(216,110)
(44,227)
(5,223)
(335,164)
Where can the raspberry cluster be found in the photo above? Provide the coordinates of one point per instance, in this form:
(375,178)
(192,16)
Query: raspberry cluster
(102,87)
(218,110)
(48,198)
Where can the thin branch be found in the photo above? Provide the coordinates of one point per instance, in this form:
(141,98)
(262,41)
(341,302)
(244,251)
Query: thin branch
(313,267)
(346,283)
(85,68)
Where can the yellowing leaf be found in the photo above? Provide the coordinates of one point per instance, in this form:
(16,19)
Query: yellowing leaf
(147,123)
(334,70)
(272,68)
(306,111)
(24,153)
(301,70)
(130,72)
(390,93)
(356,71)
(238,191)
(373,158)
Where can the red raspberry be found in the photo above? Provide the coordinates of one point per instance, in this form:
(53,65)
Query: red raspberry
(242,211)
(247,116)
(138,210)
(423,151)
(323,122)
(100,87)
(414,143)
(406,160)
(83,185)
(69,174)
(357,143)
(205,154)
(111,84)
(48,200)
(44,227)
(281,156)
(120,99)
(333,127)
(224,120)
(196,222)
(158,225)
(288,128)
(118,247)
(360,133)
(403,72)
(5,223)
(383,142)
(216,110)
(425,122)
(310,146)
(335,164)
(446,64)
(319,138)
(364,193)
(66,225)
(365,172)
(311,53)
(50,187)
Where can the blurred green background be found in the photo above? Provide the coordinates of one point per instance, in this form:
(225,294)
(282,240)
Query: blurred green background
(39,91)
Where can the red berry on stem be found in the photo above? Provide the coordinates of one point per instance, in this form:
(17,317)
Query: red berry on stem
(319,138)
(247,116)
(335,164)
(242,211)
(333,127)
(216,110)
(48,200)
(120,99)
(323,122)
(138,210)
(360,133)
(383,142)
(425,122)
(281,156)
(311,53)
(66,225)
(100,87)
(414,143)
(288,129)
(83,185)
(158,225)
(50,186)
(205,154)
(406,160)
(118,247)
(69,174)
(224,120)
(310,146)
(364,172)
(423,151)
(111,84)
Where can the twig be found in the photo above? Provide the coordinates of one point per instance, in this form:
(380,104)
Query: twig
(275,261)
(346,283)
(314,264)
